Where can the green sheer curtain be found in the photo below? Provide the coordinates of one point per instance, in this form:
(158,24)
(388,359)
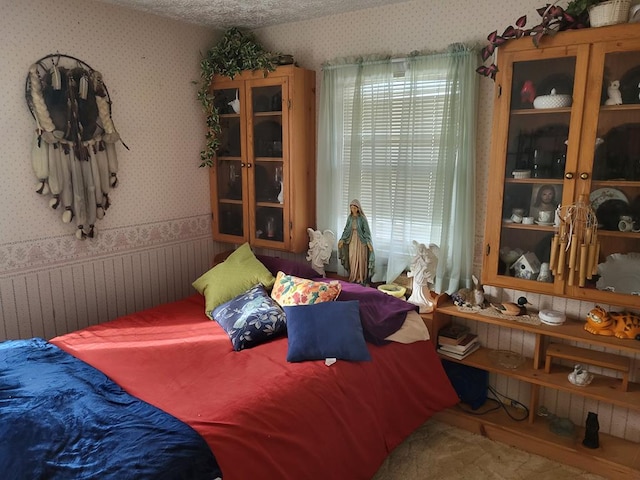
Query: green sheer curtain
(399,135)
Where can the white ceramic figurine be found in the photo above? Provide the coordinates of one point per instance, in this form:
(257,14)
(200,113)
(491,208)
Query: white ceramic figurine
(320,247)
(423,271)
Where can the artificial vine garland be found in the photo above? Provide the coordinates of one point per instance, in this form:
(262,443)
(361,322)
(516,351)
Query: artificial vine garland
(74,155)
(236,51)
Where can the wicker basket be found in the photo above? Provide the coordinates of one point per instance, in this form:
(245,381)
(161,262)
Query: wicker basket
(609,13)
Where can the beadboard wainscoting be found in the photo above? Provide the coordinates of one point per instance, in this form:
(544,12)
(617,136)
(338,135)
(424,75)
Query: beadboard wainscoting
(58,285)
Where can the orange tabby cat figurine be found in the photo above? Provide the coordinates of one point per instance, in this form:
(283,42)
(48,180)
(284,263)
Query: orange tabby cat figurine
(620,324)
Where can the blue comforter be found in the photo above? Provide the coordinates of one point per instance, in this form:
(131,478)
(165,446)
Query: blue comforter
(60,418)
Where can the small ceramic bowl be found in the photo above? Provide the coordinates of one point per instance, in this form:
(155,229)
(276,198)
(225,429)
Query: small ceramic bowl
(521,173)
(555,100)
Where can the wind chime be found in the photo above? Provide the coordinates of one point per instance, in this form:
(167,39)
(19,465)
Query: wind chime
(74,154)
(575,247)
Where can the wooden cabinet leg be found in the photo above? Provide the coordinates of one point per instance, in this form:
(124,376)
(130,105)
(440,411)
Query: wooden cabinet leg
(533,402)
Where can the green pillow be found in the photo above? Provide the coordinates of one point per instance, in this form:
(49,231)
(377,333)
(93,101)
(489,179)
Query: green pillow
(237,274)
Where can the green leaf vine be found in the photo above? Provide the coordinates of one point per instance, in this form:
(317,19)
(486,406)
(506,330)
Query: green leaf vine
(234,53)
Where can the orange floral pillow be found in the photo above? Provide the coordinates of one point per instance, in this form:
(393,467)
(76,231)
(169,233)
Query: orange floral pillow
(290,290)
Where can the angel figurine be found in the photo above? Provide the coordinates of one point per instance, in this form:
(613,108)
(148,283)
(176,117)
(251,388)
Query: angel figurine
(423,272)
(320,247)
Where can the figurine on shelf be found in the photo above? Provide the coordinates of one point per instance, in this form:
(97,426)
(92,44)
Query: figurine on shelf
(613,92)
(320,247)
(510,308)
(235,104)
(355,248)
(591,431)
(558,425)
(528,92)
(580,377)
(423,271)
(470,297)
(620,324)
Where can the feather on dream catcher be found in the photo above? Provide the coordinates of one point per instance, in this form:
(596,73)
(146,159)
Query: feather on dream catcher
(74,146)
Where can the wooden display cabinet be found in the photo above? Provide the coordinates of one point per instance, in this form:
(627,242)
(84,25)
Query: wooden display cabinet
(587,149)
(263,179)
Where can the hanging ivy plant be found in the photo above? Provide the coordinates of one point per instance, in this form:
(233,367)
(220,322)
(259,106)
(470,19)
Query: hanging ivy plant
(553,19)
(235,52)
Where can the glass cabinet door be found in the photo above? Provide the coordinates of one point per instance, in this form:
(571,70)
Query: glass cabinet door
(533,157)
(266,156)
(611,171)
(229,165)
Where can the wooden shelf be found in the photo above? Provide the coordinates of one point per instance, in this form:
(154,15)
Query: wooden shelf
(602,388)
(572,329)
(615,458)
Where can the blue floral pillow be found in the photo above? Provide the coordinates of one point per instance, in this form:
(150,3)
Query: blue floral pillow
(251,318)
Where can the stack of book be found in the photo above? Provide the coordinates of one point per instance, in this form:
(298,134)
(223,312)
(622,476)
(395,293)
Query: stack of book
(455,341)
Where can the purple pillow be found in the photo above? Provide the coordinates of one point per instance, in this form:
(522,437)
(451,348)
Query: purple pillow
(381,314)
(289,267)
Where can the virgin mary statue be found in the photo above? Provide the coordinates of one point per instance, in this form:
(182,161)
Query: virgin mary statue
(355,249)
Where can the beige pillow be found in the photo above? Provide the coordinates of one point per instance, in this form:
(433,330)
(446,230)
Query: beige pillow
(412,330)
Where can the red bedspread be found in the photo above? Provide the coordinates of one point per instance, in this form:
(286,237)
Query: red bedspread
(265,418)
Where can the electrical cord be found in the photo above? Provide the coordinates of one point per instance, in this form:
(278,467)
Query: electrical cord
(499,401)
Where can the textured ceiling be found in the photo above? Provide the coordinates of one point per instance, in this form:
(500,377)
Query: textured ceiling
(247,14)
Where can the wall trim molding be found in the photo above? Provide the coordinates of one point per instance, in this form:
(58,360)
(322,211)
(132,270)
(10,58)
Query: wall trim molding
(18,258)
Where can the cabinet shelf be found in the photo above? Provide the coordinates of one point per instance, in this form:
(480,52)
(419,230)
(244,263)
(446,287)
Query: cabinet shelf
(268,114)
(620,108)
(535,226)
(540,111)
(533,181)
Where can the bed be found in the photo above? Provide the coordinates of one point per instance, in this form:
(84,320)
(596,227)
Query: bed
(267,410)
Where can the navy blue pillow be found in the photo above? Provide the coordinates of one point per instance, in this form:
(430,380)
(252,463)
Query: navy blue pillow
(325,330)
(251,318)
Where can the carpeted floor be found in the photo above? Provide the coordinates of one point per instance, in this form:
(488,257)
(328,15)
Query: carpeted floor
(439,451)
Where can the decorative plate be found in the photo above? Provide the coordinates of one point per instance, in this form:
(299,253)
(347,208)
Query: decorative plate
(598,197)
(620,273)
(506,358)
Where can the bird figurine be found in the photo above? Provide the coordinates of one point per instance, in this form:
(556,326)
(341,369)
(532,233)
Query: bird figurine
(235,104)
(580,376)
(528,92)
(510,308)
(613,92)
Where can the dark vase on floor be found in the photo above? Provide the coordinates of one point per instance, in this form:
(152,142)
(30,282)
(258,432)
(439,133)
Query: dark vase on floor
(591,431)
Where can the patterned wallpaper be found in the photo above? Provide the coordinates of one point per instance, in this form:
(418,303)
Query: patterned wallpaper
(149,65)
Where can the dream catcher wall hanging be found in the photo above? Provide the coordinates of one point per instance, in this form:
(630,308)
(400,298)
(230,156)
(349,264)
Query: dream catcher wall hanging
(74,147)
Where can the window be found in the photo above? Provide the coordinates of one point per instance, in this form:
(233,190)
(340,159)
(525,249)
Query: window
(391,136)
(398,162)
